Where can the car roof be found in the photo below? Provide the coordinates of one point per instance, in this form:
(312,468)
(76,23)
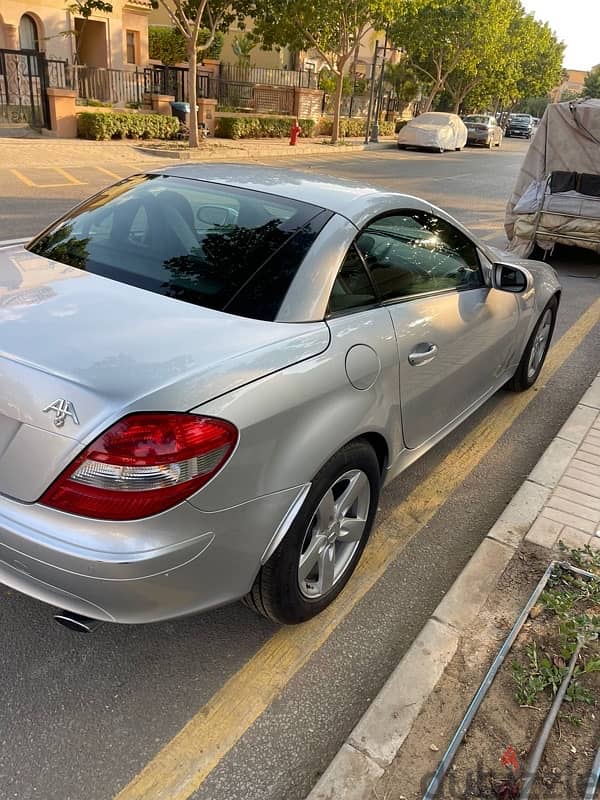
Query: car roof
(348,198)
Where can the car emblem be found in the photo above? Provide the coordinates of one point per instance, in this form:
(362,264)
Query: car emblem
(62,409)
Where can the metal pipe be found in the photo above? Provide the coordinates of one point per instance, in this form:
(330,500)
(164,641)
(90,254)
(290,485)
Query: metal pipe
(77,622)
(442,768)
(590,790)
(371,93)
(536,756)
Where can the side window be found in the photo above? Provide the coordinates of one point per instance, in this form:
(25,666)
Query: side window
(414,252)
(352,288)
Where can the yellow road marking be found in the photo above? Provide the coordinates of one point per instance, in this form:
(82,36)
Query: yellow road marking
(108,172)
(28,182)
(183,764)
(68,176)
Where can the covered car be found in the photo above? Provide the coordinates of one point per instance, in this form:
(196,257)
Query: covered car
(435,131)
(556,198)
(483,129)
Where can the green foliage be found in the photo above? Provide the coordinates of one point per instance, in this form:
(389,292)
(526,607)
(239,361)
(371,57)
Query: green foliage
(533,105)
(353,127)
(97,103)
(334,29)
(328,82)
(169,45)
(96,125)
(85,8)
(247,127)
(402,78)
(242,46)
(568,95)
(591,84)
(478,51)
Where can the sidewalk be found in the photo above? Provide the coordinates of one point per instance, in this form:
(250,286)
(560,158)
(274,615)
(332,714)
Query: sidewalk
(559,501)
(82,152)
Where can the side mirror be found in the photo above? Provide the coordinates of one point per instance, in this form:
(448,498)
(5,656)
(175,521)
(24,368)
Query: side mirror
(509,278)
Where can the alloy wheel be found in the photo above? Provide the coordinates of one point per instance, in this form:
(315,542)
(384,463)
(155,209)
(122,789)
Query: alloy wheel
(334,534)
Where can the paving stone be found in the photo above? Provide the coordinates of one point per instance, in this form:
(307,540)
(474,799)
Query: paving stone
(586,500)
(520,513)
(585,525)
(576,509)
(589,458)
(580,487)
(544,532)
(574,538)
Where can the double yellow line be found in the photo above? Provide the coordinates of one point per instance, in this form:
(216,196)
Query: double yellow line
(183,764)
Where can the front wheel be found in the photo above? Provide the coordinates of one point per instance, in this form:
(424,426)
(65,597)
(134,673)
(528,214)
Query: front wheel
(533,358)
(320,551)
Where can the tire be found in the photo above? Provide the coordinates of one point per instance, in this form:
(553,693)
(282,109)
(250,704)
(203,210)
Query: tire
(531,364)
(288,591)
(401,147)
(441,150)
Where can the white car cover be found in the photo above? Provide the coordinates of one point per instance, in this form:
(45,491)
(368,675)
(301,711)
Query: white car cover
(567,141)
(436,130)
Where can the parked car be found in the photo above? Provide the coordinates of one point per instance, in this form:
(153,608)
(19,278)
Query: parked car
(483,129)
(434,131)
(520,125)
(227,365)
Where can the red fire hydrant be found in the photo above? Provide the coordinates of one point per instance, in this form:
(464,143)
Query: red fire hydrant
(295,131)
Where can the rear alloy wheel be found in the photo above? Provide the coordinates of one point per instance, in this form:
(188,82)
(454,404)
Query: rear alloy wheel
(533,358)
(319,553)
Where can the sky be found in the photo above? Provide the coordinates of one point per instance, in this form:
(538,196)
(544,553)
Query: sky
(577,24)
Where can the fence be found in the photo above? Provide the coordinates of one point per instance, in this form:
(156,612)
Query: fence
(266,76)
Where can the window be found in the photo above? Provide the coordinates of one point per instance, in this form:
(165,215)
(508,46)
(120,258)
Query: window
(210,245)
(352,288)
(132,37)
(412,252)
(28,33)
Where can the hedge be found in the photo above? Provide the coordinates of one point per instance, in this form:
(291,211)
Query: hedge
(352,127)
(98,125)
(248,127)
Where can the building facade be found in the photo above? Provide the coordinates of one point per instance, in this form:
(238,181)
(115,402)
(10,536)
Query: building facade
(117,40)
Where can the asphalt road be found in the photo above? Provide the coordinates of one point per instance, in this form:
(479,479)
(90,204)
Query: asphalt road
(80,717)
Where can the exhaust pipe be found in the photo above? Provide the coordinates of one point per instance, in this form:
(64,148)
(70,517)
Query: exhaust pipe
(77,622)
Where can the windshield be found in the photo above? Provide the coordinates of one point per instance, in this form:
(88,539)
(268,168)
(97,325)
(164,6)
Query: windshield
(434,119)
(521,118)
(477,118)
(208,244)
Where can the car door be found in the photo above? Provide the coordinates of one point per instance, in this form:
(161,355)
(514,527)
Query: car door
(455,335)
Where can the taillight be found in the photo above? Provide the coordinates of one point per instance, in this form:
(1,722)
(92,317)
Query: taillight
(142,465)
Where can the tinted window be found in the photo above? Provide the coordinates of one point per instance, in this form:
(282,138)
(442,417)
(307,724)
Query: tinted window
(211,245)
(352,288)
(414,253)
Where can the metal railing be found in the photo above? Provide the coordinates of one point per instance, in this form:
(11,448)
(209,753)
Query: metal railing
(267,76)
(107,85)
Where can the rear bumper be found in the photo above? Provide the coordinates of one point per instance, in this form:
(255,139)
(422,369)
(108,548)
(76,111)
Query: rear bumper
(476,137)
(214,565)
(518,132)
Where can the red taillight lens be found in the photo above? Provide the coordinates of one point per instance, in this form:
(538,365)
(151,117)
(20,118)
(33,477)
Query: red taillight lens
(144,464)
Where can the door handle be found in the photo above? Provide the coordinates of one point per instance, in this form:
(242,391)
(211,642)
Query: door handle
(421,357)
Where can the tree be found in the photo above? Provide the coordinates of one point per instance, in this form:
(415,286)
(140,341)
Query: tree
(335,29)
(403,80)
(242,46)
(436,34)
(591,84)
(198,21)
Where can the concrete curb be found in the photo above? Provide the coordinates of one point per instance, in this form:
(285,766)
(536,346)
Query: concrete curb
(233,153)
(378,736)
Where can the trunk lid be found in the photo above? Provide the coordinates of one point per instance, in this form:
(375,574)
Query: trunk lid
(107,349)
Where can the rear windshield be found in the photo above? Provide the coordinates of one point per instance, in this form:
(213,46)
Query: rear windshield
(479,119)
(521,118)
(212,245)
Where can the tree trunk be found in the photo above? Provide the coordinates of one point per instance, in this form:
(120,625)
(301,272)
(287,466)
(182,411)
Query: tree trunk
(437,87)
(337,105)
(192,89)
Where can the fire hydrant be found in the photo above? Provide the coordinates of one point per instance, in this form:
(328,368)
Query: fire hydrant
(295,131)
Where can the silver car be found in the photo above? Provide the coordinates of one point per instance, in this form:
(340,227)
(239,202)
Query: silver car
(210,372)
(483,129)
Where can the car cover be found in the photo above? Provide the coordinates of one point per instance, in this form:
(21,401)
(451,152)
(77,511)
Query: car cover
(558,188)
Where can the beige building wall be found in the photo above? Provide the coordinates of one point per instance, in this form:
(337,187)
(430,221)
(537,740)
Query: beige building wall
(105,41)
